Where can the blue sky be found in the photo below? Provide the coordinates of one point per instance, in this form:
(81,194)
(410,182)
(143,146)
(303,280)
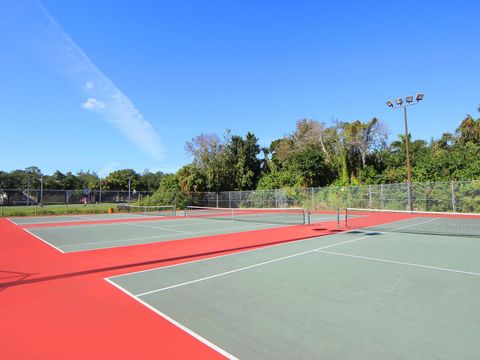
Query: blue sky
(105,85)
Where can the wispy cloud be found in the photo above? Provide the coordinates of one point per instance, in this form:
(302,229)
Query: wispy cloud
(93,104)
(29,24)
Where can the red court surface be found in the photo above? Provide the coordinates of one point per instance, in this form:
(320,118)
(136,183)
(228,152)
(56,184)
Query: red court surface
(58,306)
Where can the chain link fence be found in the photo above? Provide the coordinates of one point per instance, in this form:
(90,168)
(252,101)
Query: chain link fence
(31,197)
(456,196)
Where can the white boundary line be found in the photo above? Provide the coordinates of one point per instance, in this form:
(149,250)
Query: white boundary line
(413,212)
(172,223)
(399,262)
(13,222)
(252,266)
(366,228)
(70,220)
(45,241)
(176,323)
(249,228)
(221,256)
(160,228)
(66,224)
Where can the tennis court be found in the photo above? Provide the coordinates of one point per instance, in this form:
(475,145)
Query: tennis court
(361,294)
(31,220)
(92,232)
(130,212)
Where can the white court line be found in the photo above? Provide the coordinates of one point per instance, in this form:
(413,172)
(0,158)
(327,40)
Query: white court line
(221,256)
(71,218)
(13,222)
(397,228)
(158,227)
(399,263)
(176,323)
(162,236)
(267,262)
(171,222)
(45,241)
(251,266)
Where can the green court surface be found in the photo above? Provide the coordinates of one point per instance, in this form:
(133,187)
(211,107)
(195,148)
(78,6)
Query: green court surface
(356,295)
(31,220)
(91,236)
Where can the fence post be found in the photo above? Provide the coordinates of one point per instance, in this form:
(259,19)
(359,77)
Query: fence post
(312,206)
(382,197)
(41,190)
(454,207)
(370,200)
(28,192)
(348,196)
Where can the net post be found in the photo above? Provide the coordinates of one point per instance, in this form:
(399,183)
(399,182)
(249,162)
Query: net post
(308,217)
(346,218)
(338,218)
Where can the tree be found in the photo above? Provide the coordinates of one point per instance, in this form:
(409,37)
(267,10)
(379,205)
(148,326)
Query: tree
(468,131)
(228,164)
(88,180)
(208,153)
(168,193)
(118,180)
(191,179)
(149,181)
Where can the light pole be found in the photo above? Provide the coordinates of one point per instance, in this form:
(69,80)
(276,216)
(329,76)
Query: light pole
(100,193)
(400,104)
(129,186)
(41,190)
(28,192)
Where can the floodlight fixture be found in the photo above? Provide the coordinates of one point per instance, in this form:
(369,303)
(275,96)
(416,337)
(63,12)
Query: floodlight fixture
(389,103)
(399,101)
(409,99)
(419,97)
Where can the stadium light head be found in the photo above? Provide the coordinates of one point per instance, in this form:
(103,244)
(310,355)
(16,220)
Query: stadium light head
(389,103)
(409,99)
(399,101)
(419,97)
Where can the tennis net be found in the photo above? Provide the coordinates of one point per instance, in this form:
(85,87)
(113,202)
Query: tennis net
(287,216)
(417,222)
(161,210)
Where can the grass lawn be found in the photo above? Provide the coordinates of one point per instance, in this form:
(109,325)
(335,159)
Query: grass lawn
(56,209)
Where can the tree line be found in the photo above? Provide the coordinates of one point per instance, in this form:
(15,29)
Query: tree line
(31,178)
(312,155)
